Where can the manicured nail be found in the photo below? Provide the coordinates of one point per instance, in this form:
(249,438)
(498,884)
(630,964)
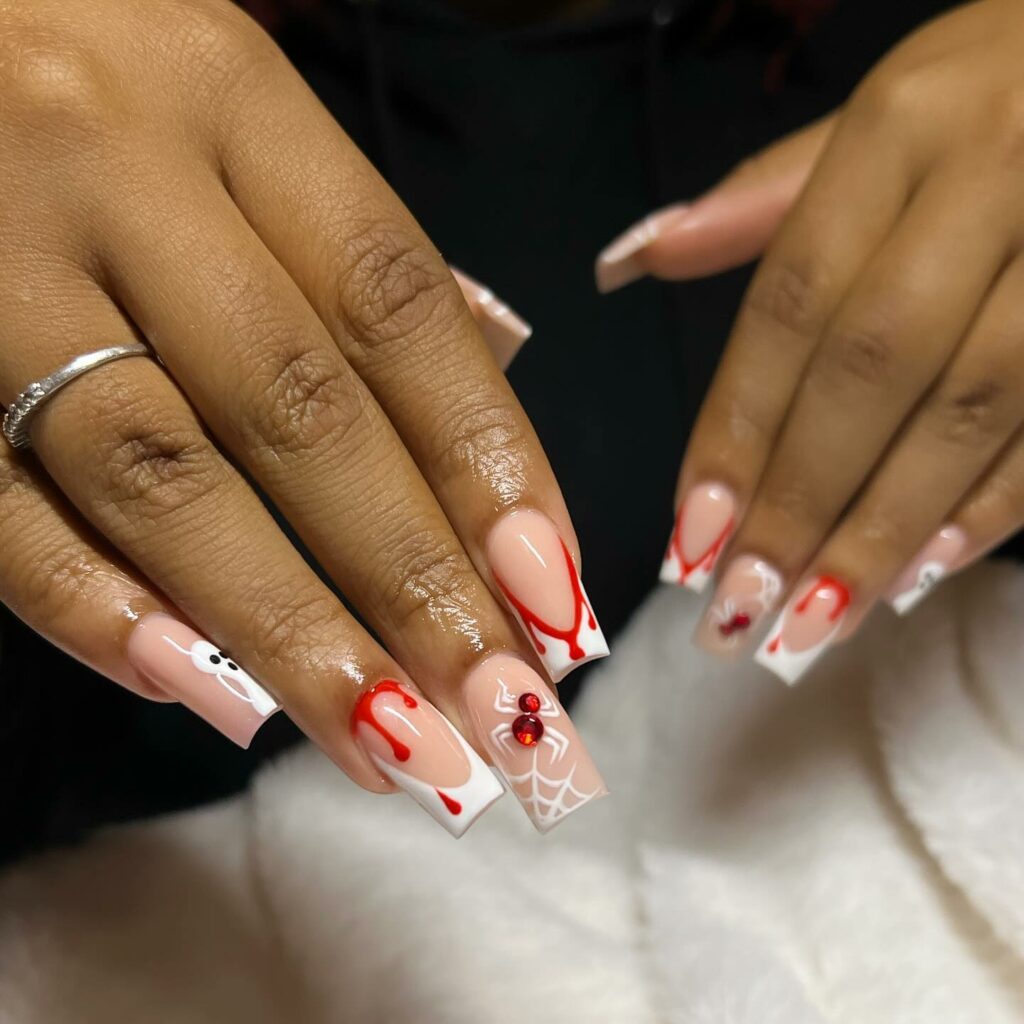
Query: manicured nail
(534,570)
(503,329)
(806,627)
(411,743)
(619,264)
(748,589)
(931,563)
(531,740)
(704,523)
(189,668)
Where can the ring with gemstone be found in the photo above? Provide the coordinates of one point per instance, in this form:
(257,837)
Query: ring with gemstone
(23,409)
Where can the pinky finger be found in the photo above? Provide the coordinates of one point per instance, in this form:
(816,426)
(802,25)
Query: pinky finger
(992,512)
(57,578)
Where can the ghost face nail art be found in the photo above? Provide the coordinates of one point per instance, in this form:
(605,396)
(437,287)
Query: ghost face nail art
(806,628)
(209,682)
(414,746)
(704,523)
(536,574)
(531,740)
(748,589)
(927,568)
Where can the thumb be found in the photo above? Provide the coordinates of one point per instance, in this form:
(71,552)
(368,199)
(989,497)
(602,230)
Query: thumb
(728,226)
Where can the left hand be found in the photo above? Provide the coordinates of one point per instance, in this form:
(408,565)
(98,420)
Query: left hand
(863,433)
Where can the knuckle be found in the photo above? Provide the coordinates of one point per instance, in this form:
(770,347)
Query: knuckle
(392,289)
(974,412)
(295,628)
(150,471)
(789,295)
(427,580)
(301,397)
(863,354)
(896,96)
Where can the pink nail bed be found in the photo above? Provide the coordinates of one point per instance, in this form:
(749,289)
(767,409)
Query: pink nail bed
(186,666)
(535,572)
(531,740)
(807,627)
(414,746)
(926,569)
(748,590)
(704,523)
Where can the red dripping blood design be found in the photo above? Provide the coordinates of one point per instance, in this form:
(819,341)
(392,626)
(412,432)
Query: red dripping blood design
(842,596)
(536,625)
(707,560)
(454,807)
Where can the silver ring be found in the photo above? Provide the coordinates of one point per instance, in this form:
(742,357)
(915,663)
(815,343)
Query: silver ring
(18,417)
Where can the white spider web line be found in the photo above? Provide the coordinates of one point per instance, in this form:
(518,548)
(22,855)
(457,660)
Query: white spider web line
(546,811)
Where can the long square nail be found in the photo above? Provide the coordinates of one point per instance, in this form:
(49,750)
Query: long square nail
(531,740)
(205,679)
(535,572)
(414,746)
(927,568)
(704,523)
(806,628)
(746,592)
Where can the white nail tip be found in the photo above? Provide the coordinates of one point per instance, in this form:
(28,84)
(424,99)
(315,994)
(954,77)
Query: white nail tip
(928,577)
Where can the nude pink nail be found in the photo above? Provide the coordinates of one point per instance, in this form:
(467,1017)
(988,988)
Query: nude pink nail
(704,523)
(189,668)
(534,570)
(620,263)
(414,746)
(504,331)
(530,739)
(747,591)
(930,564)
(808,625)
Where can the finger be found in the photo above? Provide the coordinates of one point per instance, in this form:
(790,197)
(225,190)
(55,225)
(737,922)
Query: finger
(503,331)
(886,344)
(953,437)
(726,227)
(55,578)
(846,211)
(148,479)
(398,317)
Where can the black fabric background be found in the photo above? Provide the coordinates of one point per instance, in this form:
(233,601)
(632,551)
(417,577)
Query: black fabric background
(522,153)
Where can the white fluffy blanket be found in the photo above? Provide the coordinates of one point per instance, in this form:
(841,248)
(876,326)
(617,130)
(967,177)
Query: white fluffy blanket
(848,851)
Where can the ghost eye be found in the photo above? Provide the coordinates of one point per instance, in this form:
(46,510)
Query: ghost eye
(214,659)
(232,666)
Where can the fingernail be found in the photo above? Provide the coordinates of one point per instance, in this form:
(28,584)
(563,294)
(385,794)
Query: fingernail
(503,329)
(619,264)
(930,564)
(807,626)
(414,746)
(206,680)
(531,740)
(534,570)
(704,523)
(748,589)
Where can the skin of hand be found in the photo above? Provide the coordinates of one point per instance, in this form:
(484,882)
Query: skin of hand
(862,435)
(165,175)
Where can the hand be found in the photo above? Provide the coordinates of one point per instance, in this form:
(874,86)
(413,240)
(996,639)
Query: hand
(862,436)
(165,174)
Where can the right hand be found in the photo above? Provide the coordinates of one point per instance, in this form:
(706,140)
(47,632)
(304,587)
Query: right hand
(165,174)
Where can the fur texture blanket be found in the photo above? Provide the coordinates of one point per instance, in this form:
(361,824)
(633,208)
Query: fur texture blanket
(848,851)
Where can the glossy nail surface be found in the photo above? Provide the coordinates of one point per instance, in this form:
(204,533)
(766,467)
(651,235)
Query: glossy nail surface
(930,564)
(620,264)
(503,329)
(806,628)
(704,523)
(748,589)
(531,740)
(414,746)
(535,571)
(207,681)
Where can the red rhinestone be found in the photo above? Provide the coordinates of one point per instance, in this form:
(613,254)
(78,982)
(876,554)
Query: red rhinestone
(740,621)
(527,730)
(530,703)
